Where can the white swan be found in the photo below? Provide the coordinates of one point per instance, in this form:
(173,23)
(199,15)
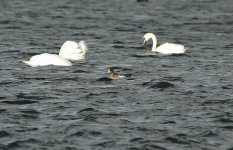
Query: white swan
(166,48)
(46,59)
(70,50)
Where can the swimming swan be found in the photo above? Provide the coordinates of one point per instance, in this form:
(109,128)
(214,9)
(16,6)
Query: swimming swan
(46,59)
(70,50)
(166,48)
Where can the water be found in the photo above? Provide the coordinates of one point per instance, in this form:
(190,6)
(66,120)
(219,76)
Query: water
(169,102)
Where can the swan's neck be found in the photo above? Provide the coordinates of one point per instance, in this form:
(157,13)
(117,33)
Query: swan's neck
(154,39)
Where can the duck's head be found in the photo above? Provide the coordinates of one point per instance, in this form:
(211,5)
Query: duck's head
(110,71)
(147,37)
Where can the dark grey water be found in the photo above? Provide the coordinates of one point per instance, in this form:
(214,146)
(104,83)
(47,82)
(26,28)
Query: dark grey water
(170,102)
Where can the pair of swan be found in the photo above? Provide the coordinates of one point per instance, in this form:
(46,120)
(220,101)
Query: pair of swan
(72,50)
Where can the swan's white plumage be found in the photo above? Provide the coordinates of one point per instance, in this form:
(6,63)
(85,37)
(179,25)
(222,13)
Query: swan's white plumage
(166,48)
(170,48)
(47,59)
(70,50)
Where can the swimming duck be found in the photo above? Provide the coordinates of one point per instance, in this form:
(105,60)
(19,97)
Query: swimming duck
(166,48)
(113,75)
(70,50)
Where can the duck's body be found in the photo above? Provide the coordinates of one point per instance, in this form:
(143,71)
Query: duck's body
(113,75)
(70,50)
(166,48)
(46,59)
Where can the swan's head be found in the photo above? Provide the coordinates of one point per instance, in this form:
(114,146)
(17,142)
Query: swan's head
(147,37)
(83,46)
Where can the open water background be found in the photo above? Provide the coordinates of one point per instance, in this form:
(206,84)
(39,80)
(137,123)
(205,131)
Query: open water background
(170,102)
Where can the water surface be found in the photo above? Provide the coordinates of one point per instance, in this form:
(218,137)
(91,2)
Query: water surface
(170,102)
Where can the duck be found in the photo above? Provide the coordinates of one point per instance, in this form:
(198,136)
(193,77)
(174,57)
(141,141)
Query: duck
(166,48)
(113,75)
(69,51)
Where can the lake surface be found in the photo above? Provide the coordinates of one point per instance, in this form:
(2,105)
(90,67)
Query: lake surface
(169,103)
